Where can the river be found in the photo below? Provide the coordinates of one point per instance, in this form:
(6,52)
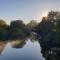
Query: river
(20,50)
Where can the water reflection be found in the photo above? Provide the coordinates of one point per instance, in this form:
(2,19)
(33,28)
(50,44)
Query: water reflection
(2,46)
(50,50)
(17,43)
(31,48)
(22,49)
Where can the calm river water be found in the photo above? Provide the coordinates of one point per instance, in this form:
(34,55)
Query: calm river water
(20,50)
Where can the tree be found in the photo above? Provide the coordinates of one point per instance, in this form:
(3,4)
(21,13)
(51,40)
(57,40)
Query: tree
(32,24)
(2,23)
(17,24)
(49,27)
(3,31)
(18,29)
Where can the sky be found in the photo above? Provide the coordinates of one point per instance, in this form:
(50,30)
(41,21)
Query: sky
(26,10)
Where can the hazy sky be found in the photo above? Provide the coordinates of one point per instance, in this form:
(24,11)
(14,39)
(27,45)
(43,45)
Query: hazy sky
(26,10)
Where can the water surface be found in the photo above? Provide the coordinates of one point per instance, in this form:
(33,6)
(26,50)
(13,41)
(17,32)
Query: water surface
(20,50)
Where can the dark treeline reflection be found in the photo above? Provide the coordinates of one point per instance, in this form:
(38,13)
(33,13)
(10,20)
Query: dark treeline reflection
(17,43)
(14,44)
(20,43)
(49,50)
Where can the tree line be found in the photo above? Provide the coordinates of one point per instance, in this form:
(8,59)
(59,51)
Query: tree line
(48,29)
(16,29)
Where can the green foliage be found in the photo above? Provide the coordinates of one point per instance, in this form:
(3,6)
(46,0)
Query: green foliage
(2,23)
(32,24)
(18,29)
(49,27)
(3,30)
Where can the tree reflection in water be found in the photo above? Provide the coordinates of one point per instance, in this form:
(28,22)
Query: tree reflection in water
(49,49)
(17,43)
(2,46)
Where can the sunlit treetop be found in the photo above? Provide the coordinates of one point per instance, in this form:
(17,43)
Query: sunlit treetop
(2,23)
(52,15)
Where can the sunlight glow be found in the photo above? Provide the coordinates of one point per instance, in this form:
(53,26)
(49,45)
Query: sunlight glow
(44,14)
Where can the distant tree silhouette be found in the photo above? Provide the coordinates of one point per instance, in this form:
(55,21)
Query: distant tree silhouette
(49,27)
(31,25)
(3,31)
(18,29)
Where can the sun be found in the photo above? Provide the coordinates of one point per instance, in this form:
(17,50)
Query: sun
(44,14)
(41,15)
